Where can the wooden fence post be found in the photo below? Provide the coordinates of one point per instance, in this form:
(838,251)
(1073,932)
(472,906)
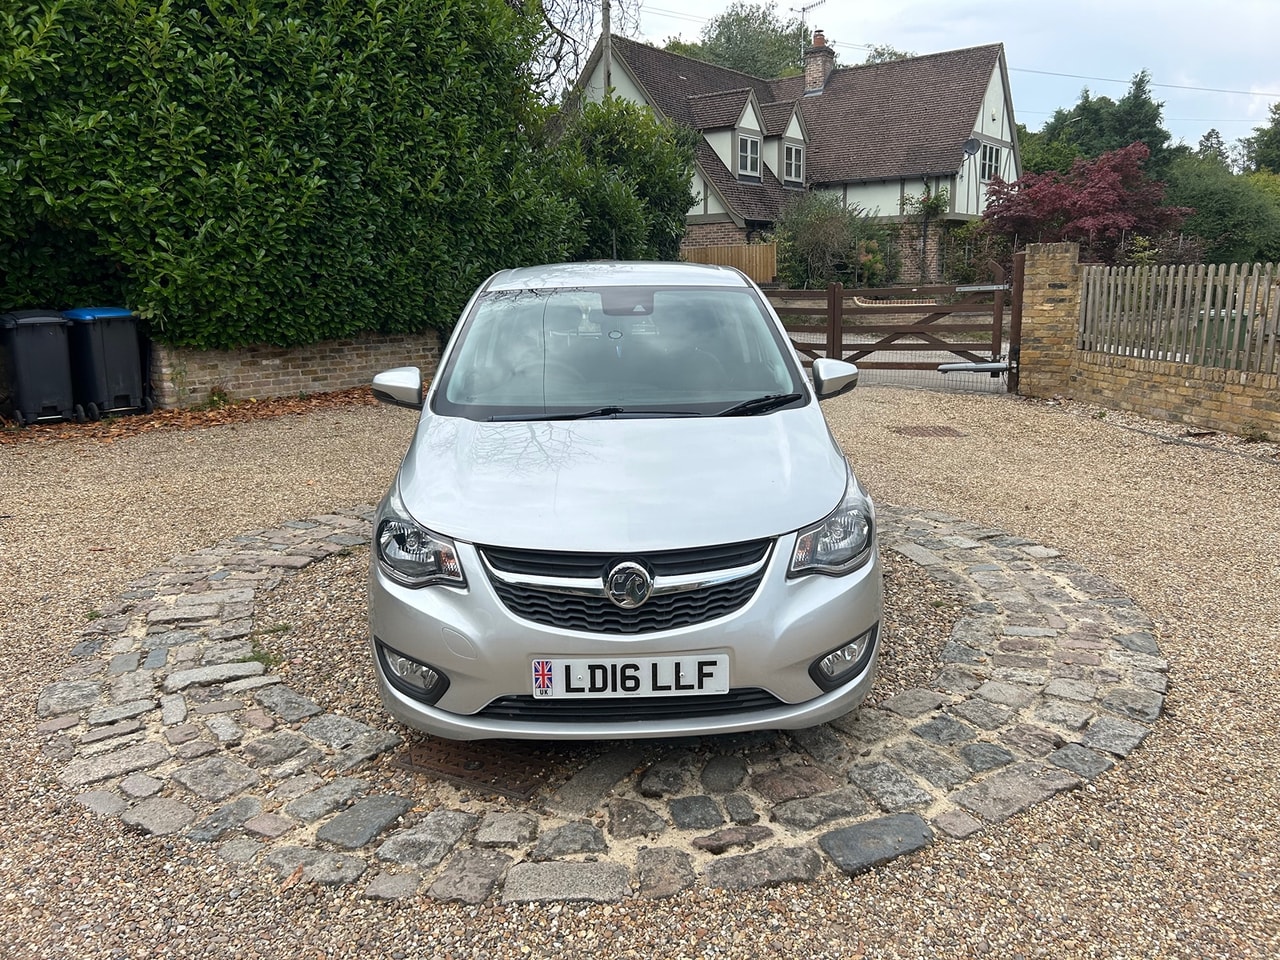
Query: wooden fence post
(1015,317)
(997,312)
(835,320)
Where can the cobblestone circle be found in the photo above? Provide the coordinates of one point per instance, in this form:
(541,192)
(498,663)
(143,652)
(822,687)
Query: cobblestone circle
(169,719)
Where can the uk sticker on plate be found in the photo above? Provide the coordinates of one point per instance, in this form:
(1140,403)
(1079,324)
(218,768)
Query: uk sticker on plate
(687,675)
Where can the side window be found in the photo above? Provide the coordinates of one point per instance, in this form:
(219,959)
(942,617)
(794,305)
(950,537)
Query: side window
(990,166)
(793,168)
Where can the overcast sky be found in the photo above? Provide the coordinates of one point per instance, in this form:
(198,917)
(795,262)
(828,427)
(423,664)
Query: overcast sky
(1209,45)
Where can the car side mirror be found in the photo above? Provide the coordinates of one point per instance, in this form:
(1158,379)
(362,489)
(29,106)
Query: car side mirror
(833,377)
(401,387)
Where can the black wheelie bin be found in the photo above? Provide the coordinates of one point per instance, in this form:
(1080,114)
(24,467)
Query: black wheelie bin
(106,361)
(35,367)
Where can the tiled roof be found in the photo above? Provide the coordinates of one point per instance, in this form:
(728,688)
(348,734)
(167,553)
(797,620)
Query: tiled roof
(884,121)
(710,110)
(670,79)
(903,118)
(750,200)
(777,116)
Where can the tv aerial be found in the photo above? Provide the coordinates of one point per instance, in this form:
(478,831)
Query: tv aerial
(804,11)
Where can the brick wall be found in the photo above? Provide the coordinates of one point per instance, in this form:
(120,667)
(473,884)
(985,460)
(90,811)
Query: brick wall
(183,377)
(712,234)
(1052,364)
(913,268)
(1206,397)
(1050,319)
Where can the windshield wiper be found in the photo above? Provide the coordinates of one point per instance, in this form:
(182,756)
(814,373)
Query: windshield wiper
(598,413)
(763,404)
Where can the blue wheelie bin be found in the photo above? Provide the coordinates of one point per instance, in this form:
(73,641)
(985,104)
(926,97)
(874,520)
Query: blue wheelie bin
(35,367)
(106,361)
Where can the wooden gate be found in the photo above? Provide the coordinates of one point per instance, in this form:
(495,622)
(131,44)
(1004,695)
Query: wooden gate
(964,327)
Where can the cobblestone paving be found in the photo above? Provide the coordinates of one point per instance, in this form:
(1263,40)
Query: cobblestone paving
(170,720)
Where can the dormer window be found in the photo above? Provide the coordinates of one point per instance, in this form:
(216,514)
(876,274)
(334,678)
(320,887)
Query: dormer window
(793,165)
(749,155)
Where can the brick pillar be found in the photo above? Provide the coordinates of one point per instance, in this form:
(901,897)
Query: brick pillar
(1050,320)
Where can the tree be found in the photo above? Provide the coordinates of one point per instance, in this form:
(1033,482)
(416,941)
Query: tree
(1236,217)
(820,242)
(1137,118)
(1266,182)
(1262,150)
(1040,154)
(1214,149)
(884,53)
(629,176)
(685,48)
(567,34)
(751,39)
(1098,125)
(1097,203)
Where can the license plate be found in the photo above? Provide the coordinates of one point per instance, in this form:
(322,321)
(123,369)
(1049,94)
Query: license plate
(679,676)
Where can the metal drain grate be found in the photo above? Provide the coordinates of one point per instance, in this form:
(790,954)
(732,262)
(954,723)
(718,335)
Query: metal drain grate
(927,430)
(484,766)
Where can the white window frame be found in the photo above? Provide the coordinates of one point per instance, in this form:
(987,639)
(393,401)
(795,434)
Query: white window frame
(748,155)
(793,163)
(990,162)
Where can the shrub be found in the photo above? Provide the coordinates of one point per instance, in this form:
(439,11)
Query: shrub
(269,171)
(820,242)
(629,175)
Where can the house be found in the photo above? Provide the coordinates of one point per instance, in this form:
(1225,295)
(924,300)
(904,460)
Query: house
(875,135)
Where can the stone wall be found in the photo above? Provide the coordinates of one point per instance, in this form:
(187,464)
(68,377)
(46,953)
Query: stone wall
(1052,363)
(183,377)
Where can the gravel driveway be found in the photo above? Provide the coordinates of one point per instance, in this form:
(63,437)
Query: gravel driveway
(1174,852)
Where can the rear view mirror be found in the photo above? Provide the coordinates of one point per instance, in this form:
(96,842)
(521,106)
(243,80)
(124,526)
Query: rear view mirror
(401,387)
(833,377)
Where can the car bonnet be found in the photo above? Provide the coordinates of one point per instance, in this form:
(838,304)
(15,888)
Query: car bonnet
(622,484)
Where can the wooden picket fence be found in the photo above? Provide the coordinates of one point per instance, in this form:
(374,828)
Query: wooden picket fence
(759,261)
(1209,315)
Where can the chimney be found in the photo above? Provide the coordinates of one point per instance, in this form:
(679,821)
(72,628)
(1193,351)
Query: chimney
(819,60)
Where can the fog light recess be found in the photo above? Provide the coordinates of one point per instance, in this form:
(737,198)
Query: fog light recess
(845,662)
(411,677)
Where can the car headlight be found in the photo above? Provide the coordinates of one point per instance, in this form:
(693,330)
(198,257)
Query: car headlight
(409,553)
(842,542)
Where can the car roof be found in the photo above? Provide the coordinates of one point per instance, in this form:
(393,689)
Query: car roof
(604,273)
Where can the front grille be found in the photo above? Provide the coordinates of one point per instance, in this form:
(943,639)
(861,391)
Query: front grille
(530,709)
(541,603)
(549,563)
(600,615)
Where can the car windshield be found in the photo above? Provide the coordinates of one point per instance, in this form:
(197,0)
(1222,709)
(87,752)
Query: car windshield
(617,351)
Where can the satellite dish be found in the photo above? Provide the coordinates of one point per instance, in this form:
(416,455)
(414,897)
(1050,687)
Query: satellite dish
(972,146)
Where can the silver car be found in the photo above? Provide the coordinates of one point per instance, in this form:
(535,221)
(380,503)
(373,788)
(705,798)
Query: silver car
(622,515)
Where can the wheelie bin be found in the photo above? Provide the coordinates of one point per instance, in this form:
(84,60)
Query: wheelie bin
(35,367)
(106,362)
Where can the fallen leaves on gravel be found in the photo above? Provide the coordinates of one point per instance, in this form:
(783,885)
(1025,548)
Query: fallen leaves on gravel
(113,428)
(292,879)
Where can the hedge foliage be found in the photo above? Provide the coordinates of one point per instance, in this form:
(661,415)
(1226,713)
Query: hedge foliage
(630,175)
(269,171)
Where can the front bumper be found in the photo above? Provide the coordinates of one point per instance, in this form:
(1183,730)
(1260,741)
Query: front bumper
(487,653)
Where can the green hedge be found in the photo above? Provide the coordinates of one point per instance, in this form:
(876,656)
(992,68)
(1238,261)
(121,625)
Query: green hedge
(268,171)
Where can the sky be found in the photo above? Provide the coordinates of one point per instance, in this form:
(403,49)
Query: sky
(1213,63)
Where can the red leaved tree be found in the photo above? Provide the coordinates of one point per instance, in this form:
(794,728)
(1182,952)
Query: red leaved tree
(1098,204)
